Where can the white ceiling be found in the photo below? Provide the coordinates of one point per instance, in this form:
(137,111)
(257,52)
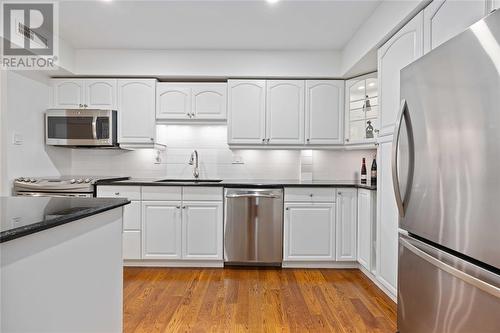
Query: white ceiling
(236,25)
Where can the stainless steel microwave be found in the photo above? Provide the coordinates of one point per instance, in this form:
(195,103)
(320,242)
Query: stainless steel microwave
(81,128)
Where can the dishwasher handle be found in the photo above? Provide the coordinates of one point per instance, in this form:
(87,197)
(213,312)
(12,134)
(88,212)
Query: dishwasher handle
(252,195)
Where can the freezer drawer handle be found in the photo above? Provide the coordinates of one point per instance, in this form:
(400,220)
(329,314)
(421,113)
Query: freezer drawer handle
(252,195)
(486,287)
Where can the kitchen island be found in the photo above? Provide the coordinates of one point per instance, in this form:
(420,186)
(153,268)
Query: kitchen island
(61,264)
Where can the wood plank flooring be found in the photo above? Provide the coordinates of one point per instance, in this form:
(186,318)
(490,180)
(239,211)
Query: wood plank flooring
(254,300)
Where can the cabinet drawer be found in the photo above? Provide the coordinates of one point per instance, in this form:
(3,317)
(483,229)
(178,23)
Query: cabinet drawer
(129,192)
(310,194)
(161,193)
(132,216)
(132,244)
(190,193)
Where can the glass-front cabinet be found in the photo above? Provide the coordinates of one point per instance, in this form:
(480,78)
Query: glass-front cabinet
(361,119)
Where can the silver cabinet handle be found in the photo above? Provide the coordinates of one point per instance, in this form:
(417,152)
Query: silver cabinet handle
(267,140)
(178,207)
(183,207)
(85,105)
(263,140)
(308,140)
(192,114)
(311,195)
(287,208)
(117,193)
(252,195)
(188,114)
(472,280)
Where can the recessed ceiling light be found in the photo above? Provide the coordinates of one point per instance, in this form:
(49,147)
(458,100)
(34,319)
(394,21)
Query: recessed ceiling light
(272,1)
(371,84)
(361,88)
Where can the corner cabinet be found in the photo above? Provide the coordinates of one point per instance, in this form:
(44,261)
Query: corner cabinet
(191,101)
(402,49)
(324,112)
(136,111)
(346,224)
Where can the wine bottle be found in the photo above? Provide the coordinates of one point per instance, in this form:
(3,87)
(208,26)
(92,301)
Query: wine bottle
(363,171)
(373,178)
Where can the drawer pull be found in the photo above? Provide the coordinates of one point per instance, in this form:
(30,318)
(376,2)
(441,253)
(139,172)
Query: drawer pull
(311,195)
(117,193)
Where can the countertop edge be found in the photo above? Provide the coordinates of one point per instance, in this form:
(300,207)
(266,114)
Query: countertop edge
(19,232)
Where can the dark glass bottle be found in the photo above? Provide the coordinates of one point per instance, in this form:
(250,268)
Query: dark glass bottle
(363,171)
(373,174)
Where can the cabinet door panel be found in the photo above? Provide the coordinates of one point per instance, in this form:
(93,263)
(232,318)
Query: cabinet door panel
(246,111)
(202,230)
(161,229)
(100,94)
(402,49)
(67,93)
(446,19)
(346,224)
(285,112)
(136,111)
(173,101)
(365,227)
(309,231)
(132,216)
(324,111)
(209,101)
(387,221)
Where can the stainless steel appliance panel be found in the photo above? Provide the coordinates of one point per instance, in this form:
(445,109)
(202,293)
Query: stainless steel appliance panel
(438,292)
(448,152)
(88,127)
(253,226)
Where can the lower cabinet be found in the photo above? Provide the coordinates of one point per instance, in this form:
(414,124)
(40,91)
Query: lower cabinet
(132,230)
(309,231)
(161,229)
(202,230)
(366,228)
(347,204)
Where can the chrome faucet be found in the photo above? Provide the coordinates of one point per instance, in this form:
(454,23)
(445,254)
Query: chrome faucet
(194,160)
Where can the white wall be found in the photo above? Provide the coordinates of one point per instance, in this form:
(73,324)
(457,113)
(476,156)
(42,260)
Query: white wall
(206,63)
(216,159)
(25,97)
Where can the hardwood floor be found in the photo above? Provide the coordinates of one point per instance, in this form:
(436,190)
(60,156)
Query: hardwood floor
(254,300)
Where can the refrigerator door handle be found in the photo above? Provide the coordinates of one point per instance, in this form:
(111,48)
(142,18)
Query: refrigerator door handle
(394,164)
(478,283)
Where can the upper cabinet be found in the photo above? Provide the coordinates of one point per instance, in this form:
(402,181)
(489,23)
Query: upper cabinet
(323,111)
(191,101)
(445,19)
(361,110)
(402,49)
(84,93)
(136,111)
(246,123)
(285,112)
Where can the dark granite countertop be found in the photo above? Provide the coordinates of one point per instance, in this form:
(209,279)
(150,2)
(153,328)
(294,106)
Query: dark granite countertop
(22,216)
(241,183)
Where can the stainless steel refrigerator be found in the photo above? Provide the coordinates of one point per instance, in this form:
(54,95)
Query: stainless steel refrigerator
(446,175)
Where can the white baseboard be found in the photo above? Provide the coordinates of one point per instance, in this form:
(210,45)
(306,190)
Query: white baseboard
(319,264)
(373,278)
(173,263)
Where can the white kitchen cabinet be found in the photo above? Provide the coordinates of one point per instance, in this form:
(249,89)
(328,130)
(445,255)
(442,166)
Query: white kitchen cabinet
(202,230)
(444,19)
(399,51)
(366,228)
(84,93)
(209,101)
(324,111)
(387,220)
(309,232)
(100,94)
(246,111)
(132,245)
(346,224)
(136,111)
(161,230)
(191,101)
(173,101)
(285,112)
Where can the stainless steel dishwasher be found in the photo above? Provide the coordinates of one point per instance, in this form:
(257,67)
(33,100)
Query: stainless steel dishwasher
(253,226)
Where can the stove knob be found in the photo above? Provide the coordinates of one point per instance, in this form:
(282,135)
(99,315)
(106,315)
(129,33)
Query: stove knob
(20,179)
(79,180)
(24,179)
(72,181)
(87,180)
(33,180)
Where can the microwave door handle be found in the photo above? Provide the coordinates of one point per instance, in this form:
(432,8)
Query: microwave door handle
(94,128)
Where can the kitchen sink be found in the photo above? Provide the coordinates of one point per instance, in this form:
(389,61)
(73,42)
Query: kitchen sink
(196,181)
